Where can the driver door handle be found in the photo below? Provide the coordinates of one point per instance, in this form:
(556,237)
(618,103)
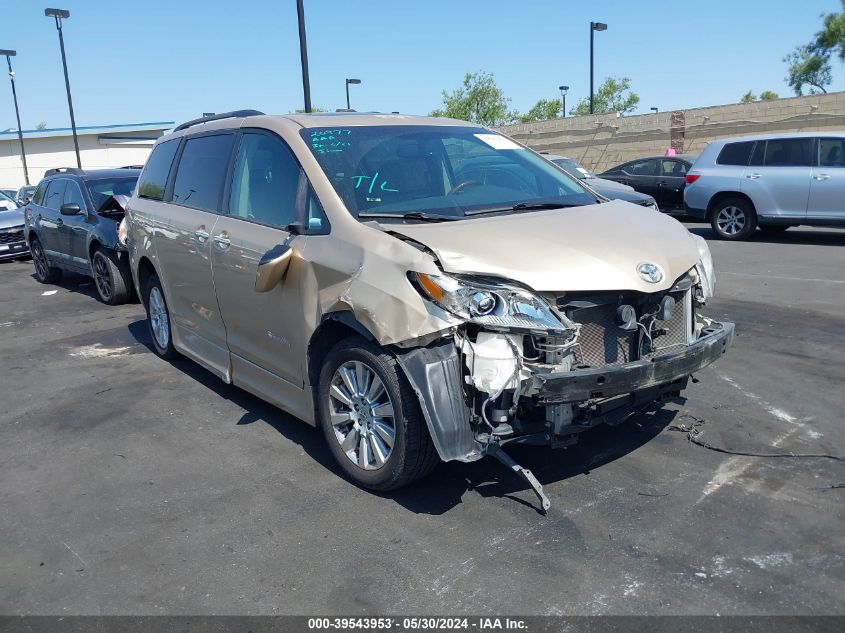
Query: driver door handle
(753,176)
(201,235)
(821,176)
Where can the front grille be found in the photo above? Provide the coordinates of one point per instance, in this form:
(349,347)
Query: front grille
(11,236)
(601,342)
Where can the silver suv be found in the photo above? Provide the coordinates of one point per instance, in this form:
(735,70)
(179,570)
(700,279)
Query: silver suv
(771,182)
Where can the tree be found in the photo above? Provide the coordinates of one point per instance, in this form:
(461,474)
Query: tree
(313,109)
(614,95)
(543,110)
(769,95)
(748,97)
(808,68)
(41,126)
(479,100)
(832,36)
(766,95)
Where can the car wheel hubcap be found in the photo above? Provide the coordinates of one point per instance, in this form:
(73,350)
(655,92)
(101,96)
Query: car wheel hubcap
(102,276)
(731,220)
(158,319)
(40,261)
(362,416)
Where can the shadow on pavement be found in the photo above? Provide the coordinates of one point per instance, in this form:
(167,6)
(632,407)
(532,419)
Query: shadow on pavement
(444,488)
(790,236)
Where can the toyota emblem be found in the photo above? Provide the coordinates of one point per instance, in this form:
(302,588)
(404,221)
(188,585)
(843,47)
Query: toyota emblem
(652,273)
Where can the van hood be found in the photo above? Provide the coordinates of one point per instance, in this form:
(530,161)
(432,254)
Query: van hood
(590,248)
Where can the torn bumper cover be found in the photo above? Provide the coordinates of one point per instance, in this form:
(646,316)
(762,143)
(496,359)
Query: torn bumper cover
(605,382)
(434,372)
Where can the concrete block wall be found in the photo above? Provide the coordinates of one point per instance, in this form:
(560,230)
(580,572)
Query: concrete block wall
(602,141)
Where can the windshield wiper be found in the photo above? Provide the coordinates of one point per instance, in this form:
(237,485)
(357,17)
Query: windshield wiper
(523,206)
(412,215)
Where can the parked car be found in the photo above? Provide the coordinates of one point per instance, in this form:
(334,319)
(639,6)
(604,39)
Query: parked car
(12,235)
(422,289)
(662,177)
(771,181)
(24,194)
(71,224)
(7,203)
(606,188)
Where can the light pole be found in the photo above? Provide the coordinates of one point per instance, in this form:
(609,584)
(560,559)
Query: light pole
(303,55)
(594,26)
(9,55)
(59,15)
(563,91)
(354,82)
(653,110)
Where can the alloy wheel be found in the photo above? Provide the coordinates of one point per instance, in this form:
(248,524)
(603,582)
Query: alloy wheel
(731,220)
(362,415)
(159,321)
(42,268)
(102,277)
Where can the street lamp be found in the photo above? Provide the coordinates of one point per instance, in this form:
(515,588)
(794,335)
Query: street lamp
(563,91)
(350,81)
(653,110)
(594,26)
(303,55)
(59,15)
(9,55)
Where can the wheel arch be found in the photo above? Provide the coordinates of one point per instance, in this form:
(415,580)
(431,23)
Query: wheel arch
(146,269)
(333,328)
(724,195)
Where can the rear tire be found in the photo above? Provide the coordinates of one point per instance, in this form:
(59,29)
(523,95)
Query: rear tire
(733,219)
(111,278)
(158,319)
(371,417)
(44,273)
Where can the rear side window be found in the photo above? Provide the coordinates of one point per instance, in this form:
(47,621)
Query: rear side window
(154,178)
(39,193)
(735,153)
(788,152)
(201,171)
(55,194)
(832,152)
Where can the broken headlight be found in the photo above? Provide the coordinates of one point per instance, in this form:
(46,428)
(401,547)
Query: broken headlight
(704,268)
(496,306)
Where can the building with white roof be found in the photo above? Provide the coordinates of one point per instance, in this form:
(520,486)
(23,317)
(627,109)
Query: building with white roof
(100,147)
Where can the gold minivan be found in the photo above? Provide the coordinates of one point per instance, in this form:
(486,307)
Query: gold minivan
(422,289)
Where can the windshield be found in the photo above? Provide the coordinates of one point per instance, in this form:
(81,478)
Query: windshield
(6,198)
(437,171)
(573,168)
(100,189)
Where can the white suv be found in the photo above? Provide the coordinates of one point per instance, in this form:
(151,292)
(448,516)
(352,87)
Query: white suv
(772,181)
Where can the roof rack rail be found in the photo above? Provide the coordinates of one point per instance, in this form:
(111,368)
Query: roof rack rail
(131,167)
(64,170)
(217,117)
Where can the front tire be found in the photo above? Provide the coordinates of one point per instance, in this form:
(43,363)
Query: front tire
(371,417)
(112,280)
(44,273)
(158,319)
(733,219)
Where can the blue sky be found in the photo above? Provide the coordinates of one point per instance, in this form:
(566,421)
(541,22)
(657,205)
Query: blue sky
(160,60)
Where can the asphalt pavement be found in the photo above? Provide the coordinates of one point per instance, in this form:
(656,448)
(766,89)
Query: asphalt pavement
(131,485)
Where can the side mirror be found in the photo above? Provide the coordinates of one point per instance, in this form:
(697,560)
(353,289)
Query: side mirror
(71,208)
(272,267)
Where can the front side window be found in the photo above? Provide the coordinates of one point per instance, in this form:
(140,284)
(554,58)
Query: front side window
(788,152)
(153,179)
(202,170)
(735,153)
(641,168)
(437,170)
(73,195)
(55,194)
(265,181)
(831,152)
